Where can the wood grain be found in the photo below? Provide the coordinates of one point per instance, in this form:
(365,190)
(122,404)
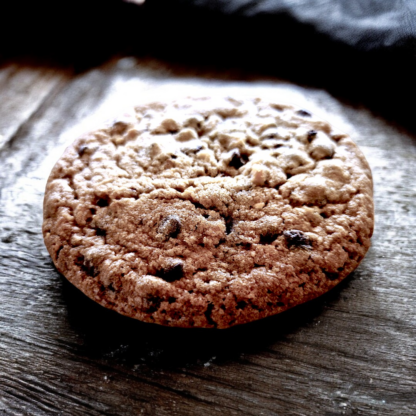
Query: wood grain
(351,352)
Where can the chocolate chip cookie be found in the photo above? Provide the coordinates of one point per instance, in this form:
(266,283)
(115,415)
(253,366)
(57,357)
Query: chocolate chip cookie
(208,212)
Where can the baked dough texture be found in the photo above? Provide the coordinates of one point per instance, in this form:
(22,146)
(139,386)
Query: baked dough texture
(209,212)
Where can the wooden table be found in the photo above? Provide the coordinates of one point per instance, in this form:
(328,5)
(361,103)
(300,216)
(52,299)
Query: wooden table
(351,352)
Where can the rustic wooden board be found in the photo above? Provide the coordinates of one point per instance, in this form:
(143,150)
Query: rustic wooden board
(351,352)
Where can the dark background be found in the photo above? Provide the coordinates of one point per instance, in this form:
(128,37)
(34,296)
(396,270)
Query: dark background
(363,50)
(350,352)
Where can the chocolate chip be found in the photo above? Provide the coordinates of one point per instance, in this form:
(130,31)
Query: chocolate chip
(241,305)
(268,238)
(331,276)
(82,149)
(311,135)
(100,232)
(304,113)
(170,226)
(296,238)
(238,159)
(171,272)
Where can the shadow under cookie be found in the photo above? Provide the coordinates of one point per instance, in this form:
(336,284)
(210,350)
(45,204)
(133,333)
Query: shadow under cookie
(110,336)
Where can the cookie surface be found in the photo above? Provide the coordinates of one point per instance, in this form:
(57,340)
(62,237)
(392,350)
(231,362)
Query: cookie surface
(209,212)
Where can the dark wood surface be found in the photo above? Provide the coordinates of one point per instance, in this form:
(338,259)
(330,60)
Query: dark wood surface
(351,352)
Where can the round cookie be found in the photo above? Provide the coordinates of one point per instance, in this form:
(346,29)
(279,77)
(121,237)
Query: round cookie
(209,212)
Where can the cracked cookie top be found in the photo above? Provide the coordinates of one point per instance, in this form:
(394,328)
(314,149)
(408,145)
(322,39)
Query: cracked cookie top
(209,212)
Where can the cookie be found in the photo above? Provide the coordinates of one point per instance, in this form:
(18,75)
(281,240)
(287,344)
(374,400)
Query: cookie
(208,212)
